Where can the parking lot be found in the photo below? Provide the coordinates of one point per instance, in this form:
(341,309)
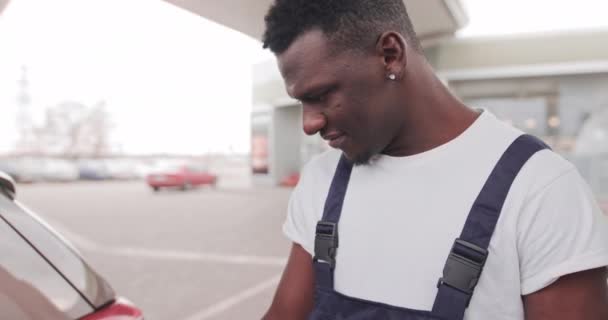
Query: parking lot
(201,254)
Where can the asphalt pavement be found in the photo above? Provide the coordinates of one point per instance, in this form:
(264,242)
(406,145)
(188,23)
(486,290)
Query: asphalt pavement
(207,253)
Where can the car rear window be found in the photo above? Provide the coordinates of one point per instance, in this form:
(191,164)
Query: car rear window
(30,288)
(58,253)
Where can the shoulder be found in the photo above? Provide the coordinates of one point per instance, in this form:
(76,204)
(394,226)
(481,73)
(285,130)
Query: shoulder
(544,168)
(560,227)
(324,162)
(320,169)
(315,180)
(306,201)
(547,169)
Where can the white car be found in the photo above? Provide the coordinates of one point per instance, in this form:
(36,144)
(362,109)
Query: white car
(43,277)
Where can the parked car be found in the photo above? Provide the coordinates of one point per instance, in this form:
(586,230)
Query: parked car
(59,170)
(124,168)
(182,176)
(9,167)
(93,169)
(27,169)
(43,277)
(290,180)
(38,169)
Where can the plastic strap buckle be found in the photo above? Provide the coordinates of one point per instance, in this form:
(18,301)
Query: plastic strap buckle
(464,266)
(326,243)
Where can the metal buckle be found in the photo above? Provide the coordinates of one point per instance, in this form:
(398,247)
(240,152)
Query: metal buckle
(464,266)
(326,243)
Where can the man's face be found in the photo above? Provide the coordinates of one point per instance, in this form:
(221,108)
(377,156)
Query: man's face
(344,94)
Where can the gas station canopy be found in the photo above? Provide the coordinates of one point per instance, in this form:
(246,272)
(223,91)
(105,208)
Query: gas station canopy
(3,4)
(432,19)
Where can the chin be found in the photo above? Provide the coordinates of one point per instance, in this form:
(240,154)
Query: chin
(359,159)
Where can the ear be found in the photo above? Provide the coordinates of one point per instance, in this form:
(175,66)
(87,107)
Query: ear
(392,48)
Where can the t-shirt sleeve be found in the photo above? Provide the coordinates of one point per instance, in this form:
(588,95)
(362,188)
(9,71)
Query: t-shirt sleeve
(300,223)
(561,231)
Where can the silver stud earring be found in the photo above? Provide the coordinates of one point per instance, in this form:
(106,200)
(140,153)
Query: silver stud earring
(392,76)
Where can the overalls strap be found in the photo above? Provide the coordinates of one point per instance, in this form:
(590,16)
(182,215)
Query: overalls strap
(469,252)
(326,239)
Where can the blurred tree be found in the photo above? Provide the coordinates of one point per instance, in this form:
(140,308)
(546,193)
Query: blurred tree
(72,129)
(25,142)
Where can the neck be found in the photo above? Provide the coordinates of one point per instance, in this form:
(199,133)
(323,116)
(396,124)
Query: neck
(433,115)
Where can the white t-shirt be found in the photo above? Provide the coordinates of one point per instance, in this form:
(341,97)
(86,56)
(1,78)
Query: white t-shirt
(401,216)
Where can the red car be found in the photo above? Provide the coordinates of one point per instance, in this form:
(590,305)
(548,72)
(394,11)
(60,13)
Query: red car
(290,180)
(43,277)
(181,176)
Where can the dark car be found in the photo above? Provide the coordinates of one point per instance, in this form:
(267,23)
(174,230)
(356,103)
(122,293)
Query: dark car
(43,277)
(182,176)
(93,170)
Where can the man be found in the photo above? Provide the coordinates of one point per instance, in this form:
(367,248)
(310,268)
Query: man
(421,162)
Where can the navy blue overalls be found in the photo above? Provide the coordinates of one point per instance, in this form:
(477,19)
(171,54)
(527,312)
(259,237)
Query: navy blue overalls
(464,263)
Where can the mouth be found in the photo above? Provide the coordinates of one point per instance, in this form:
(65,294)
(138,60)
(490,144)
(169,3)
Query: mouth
(335,139)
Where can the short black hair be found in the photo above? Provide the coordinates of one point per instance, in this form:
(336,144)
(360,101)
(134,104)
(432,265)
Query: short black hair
(355,24)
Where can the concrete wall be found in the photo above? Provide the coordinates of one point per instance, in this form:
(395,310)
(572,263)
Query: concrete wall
(547,48)
(285,137)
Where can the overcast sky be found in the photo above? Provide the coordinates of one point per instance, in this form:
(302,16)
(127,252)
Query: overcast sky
(506,17)
(173,81)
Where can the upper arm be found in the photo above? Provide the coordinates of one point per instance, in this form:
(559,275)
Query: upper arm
(560,231)
(294,296)
(578,296)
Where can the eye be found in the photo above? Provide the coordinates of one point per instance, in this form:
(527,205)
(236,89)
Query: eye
(316,98)
(319,98)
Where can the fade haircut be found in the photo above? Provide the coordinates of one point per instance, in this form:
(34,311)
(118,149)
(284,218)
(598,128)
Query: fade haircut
(353,24)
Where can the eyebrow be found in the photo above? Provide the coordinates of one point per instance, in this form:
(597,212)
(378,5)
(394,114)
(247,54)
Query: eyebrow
(315,91)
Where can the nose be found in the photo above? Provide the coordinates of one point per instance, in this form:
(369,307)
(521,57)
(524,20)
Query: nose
(312,121)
